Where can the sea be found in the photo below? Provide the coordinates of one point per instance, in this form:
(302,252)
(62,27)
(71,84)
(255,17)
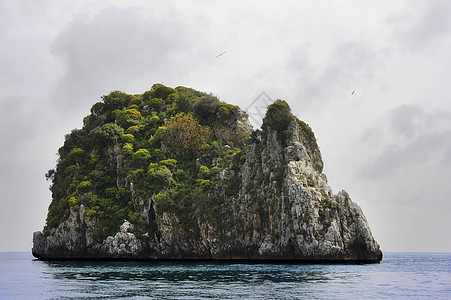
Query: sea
(398,276)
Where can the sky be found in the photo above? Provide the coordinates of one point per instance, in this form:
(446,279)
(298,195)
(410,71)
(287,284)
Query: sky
(372,78)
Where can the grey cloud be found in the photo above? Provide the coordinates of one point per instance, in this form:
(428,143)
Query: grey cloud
(425,148)
(348,66)
(426,139)
(355,60)
(447,157)
(405,120)
(18,160)
(16,127)
(117,46)
(425,24)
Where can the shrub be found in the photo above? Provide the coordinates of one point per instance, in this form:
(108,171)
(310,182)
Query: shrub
(83,186)
(72,169)
(94,158)
(306,130)
(142,155)
(159,176)
(158,154)
(135,217)
(155,103)
(185,104)
(172,97)
(158,136)
(98,109)
(135,100)
(154,120)
(171,111)
(76,154)
(278,116)
(163,203)
(115,100)
(96,211)
(147,95)
(203,184)
(128,117)
(204,172)
(207,107)
(115,113)
(92,121)
(107,134)
(184,136)
(224,112)
(127,149)
(72,201)
(161,91)
(128,138)
(170,163)
(132,129)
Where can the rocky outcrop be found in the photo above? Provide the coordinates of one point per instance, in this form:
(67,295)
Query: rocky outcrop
(124,244)
(276,206)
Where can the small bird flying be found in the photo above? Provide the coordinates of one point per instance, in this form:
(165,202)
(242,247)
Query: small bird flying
(221,54)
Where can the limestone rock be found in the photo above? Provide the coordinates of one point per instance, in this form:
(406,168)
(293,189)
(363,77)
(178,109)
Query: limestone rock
(279,207)
(123,245)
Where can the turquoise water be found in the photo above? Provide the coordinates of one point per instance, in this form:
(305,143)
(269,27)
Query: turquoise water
(398,276)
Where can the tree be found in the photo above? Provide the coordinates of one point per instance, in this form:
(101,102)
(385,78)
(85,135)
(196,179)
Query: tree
(112,101)
(141,156)
(184,136)
(76,154)
(155,103)
(107,134)
(162,91)
(159,176)
(207,107)
(129,117)
(278,116)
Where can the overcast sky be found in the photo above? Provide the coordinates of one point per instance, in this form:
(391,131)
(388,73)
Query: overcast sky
(388,143)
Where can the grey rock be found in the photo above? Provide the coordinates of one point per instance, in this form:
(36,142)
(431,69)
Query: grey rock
(123,245)
(294,216)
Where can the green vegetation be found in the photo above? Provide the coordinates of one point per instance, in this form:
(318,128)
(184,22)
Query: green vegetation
(166,144)
(278,116)
(178,149)
(184,136)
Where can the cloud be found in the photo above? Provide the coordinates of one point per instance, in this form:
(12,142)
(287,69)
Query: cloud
(118,49)
(22,167)
(425,149)
(447,157)
(16,128)
(405,120)
(425,24)
(418,137)
(346,66)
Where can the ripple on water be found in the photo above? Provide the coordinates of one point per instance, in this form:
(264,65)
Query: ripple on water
(399,275)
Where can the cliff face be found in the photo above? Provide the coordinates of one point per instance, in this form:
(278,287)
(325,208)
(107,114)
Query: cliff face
(272,202)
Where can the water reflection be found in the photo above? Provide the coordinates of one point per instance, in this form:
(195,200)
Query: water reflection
(399,276)
(186,271)
(170,280)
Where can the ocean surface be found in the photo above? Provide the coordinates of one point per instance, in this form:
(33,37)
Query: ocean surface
(398,276)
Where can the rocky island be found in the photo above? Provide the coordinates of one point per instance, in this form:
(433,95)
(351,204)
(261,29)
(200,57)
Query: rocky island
(177,174)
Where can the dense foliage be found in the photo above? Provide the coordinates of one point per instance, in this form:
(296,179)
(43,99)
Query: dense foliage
(168,153)
(168,145)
